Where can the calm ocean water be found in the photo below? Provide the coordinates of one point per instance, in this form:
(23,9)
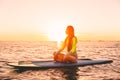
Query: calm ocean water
(14,51)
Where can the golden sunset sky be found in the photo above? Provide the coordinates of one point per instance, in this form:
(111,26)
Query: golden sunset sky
(47,19)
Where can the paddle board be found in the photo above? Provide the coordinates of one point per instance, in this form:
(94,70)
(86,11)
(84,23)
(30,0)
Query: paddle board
(52,64)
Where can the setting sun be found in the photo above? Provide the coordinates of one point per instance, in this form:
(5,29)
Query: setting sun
(56,33)
(56,36)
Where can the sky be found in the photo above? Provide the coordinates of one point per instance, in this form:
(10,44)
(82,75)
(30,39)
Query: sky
(48,19)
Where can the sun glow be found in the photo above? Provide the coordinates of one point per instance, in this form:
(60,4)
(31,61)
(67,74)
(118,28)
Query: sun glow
(57,34)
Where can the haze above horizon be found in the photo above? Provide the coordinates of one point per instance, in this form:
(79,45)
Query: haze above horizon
(47,19)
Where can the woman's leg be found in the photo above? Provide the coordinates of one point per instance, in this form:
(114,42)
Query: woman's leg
(58,57)
(69,59)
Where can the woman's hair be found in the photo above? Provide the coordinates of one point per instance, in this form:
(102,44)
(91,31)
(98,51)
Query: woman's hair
(70,32)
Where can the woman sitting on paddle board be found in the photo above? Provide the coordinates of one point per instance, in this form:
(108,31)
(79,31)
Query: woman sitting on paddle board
(70,44)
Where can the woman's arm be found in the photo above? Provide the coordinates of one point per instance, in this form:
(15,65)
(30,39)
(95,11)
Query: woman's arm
(63,45)
(74,42)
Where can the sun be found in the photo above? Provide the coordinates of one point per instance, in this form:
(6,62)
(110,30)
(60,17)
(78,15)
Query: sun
(56,37)
(57,34)
(56,30)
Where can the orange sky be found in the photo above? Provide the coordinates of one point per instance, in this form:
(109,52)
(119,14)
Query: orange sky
(47,19)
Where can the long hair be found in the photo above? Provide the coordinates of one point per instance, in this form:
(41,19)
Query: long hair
(70,32)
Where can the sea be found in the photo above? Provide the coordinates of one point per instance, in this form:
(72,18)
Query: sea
(14,51)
